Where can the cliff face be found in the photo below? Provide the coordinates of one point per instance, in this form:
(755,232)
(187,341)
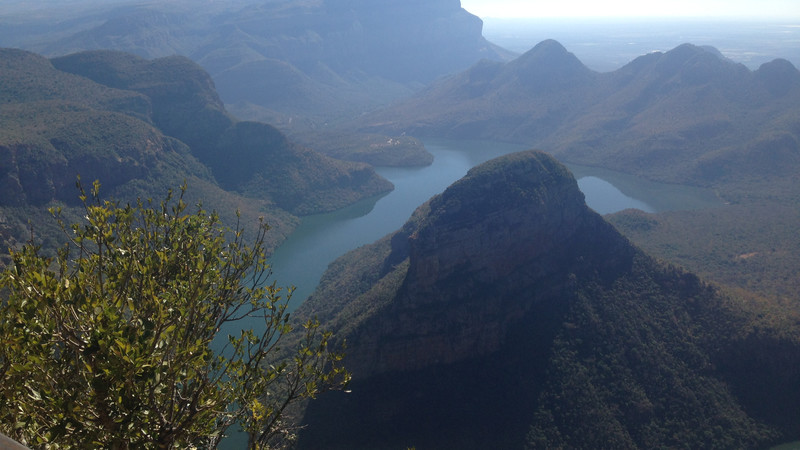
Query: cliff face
(407,41)
(506,313)
(321,58)
(485,226)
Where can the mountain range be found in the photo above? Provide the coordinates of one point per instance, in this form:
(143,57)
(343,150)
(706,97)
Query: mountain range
(505,313)
(318,59)
(688,115)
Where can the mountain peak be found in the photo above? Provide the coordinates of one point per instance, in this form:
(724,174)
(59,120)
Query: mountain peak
(511,293)
(549,65)
(549,51)
(689,55)
(520,216)
(513,206)
(779,76)
(550,45)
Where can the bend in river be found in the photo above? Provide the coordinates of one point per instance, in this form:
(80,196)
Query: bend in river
(322,238)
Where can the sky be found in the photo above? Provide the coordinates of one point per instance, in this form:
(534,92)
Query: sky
(772,9)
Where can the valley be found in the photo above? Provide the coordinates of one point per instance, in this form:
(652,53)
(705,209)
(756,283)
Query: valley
(540,233)
(319,239)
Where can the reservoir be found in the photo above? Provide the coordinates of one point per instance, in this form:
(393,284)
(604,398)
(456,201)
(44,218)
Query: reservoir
(301,260)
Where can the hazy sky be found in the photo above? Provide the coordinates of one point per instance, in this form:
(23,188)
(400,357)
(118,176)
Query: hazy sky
(781,9)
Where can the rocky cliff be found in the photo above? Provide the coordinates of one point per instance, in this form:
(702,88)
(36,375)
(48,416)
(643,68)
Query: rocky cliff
(143,126)
(506,313)
(57,125)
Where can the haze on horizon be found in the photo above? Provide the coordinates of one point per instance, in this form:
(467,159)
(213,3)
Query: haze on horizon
(718,9)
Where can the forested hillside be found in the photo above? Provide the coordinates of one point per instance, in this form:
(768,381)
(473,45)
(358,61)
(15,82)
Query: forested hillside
(141,127)
(505,313)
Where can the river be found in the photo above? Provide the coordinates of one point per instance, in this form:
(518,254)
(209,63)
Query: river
(301,260)
(319,239)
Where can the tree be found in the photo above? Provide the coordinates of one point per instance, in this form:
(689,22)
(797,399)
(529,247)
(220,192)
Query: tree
(119,340)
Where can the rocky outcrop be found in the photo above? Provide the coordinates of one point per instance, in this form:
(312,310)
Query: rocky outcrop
(472,252)
(487,224)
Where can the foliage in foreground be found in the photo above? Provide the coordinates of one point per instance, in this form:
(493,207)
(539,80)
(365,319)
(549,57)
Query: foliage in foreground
(121,340)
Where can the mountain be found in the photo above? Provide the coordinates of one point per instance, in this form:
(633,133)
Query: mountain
(684,116)
(276,60)
(252,158)
(143,126)
(505,313)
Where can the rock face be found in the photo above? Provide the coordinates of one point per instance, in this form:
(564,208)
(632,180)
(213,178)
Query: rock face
(505,227)
(495,222)
(407,41)
(506,313)
(315,58)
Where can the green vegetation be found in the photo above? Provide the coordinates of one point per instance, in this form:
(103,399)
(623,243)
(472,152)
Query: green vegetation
(579,340)
(635,365)
(120,341)
(754,247)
